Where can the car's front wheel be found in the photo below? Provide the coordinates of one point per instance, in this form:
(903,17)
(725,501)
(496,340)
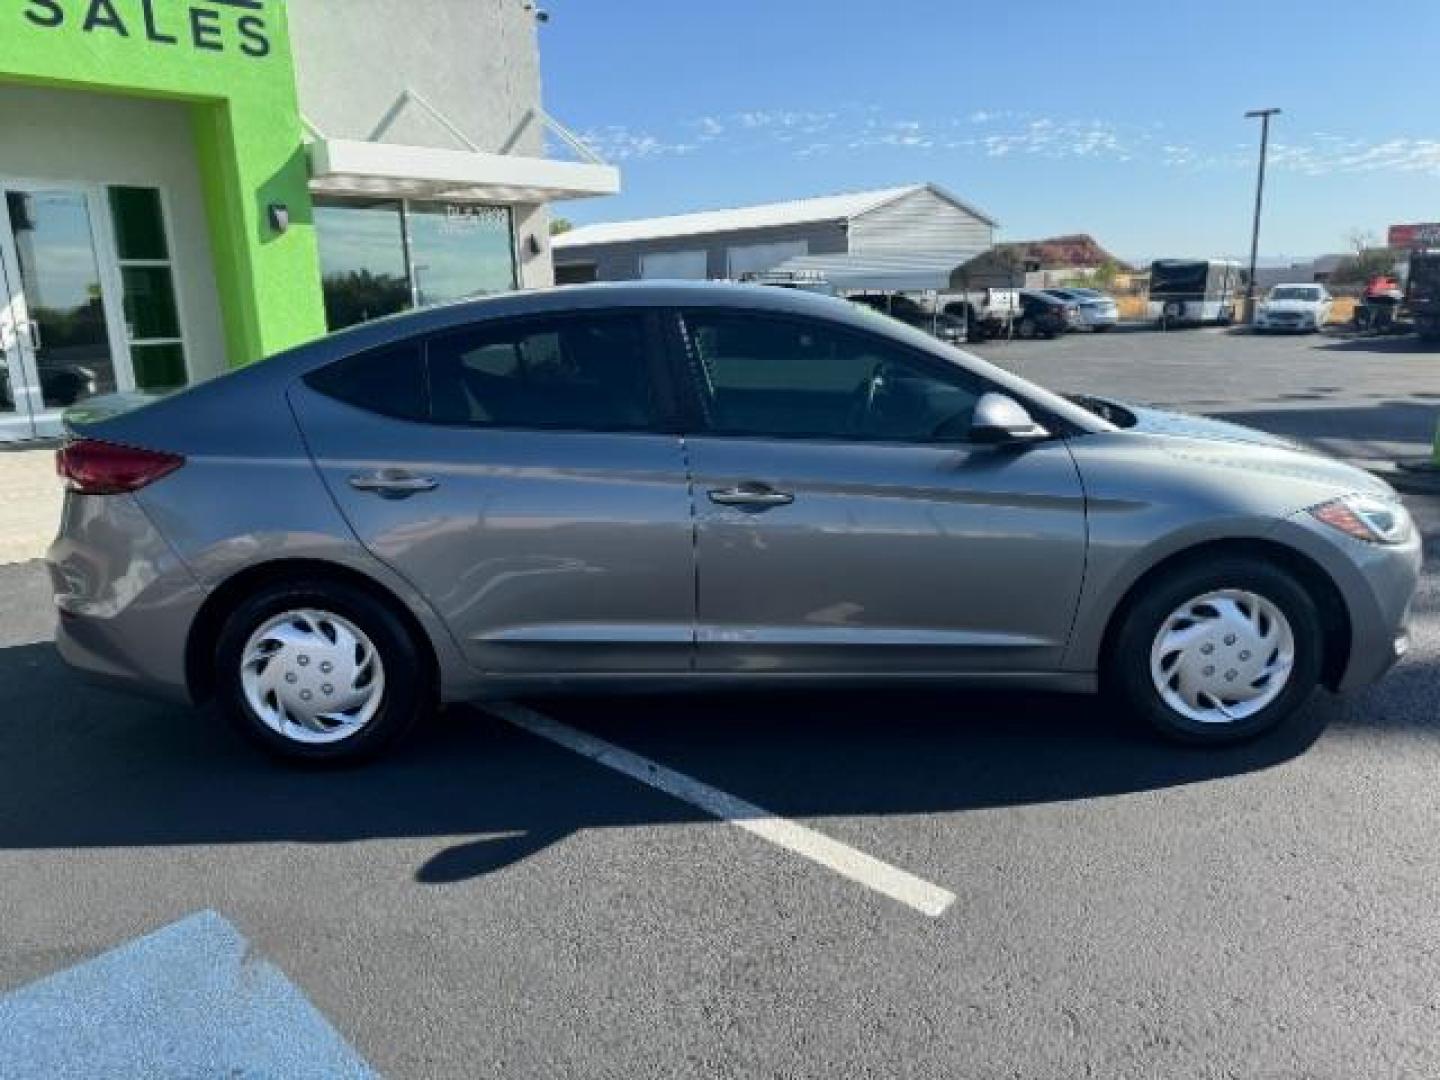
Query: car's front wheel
(1218,652)
(320,671)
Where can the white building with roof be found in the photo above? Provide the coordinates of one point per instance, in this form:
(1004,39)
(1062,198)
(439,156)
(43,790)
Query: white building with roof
(907,238)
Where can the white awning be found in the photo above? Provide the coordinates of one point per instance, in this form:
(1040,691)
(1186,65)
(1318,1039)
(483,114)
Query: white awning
(355,167)
(883,271)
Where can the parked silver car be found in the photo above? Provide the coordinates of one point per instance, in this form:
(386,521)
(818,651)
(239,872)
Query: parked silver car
(692,486)
(1094,310)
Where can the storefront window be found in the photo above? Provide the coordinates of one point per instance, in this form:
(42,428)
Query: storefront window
(460,251)
(152,320)
(362,260)
(453,250)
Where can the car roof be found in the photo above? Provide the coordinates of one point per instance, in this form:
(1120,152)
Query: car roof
(606,295)
(561,299)
(1037,294)
(204,405)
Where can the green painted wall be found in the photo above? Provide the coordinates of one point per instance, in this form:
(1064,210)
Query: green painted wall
(233,64)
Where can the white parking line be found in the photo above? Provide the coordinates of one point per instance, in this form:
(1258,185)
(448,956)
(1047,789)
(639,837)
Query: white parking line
(844,860)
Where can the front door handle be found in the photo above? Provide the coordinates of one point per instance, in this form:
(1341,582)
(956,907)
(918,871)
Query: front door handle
(393,482)
(751,495)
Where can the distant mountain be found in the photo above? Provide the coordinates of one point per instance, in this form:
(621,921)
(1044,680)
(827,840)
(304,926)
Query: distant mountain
(1075,251)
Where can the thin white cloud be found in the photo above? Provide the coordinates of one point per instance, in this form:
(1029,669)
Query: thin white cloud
(616,142)
(1005,134)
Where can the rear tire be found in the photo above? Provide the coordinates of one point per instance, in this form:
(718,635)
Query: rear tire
(338,647)
(1158,658)
(1025,328)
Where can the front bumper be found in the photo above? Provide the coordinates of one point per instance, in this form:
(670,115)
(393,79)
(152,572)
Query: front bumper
(1377,583)
(1298,324)
(126,602)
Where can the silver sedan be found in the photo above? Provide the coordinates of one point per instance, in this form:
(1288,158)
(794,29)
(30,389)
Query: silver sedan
(693,487)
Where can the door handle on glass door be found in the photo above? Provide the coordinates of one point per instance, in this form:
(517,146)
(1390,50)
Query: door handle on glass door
(395,482)
(752,495)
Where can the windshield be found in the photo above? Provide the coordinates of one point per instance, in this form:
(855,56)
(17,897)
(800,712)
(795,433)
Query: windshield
(1294,292)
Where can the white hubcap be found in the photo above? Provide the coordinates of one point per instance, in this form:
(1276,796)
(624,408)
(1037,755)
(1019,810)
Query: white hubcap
(312,676)
(1223,656)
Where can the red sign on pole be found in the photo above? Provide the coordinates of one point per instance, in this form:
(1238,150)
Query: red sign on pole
(1426,234)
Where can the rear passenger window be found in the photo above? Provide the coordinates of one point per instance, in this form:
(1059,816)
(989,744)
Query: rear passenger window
(388,381)
(586,373)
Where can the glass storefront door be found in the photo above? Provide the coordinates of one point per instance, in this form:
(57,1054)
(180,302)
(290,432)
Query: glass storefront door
(15,407)
(57,340)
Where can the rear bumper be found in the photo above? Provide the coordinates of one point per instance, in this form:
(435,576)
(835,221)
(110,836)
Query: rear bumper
(125,600)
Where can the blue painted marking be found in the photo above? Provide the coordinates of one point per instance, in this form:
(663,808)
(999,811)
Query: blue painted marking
(189,1000)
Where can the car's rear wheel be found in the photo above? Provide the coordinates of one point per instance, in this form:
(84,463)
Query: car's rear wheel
(1026,328)
(1218,652)
(320,671)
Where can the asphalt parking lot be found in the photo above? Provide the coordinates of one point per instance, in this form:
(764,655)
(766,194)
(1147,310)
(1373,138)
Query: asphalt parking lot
(879,884)
(1355,397)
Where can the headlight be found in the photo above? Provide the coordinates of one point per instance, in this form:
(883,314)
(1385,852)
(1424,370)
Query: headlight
(1366,517)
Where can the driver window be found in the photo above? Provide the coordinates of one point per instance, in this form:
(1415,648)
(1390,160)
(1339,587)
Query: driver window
(793,378)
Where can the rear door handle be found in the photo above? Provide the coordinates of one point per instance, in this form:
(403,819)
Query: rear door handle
(393,482)
(752,495)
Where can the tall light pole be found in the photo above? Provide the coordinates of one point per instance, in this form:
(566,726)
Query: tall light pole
(1264,115)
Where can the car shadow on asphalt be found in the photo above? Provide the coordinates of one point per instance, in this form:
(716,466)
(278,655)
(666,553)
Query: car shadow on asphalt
(87,768)
(1399,344)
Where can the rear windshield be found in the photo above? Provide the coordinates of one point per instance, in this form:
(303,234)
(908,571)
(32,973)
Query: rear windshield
(1425,272)
(1188,277)
(1290,292)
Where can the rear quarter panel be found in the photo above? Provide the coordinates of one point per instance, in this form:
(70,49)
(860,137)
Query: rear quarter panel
(249,493)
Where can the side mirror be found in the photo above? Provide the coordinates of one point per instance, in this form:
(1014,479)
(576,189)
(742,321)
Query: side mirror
(1000,419)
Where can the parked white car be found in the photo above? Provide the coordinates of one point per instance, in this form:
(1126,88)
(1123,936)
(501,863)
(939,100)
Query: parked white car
(1294,307)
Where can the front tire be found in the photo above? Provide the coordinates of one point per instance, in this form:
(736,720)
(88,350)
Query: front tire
(1218,652)
(320,672)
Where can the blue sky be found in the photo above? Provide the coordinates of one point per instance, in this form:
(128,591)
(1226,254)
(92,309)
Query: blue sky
(1119,119)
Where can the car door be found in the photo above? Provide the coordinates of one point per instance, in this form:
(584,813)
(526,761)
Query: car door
(519,475)
(843,523)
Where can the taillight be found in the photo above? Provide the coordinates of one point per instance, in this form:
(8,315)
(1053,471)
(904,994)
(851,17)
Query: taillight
(92,467)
